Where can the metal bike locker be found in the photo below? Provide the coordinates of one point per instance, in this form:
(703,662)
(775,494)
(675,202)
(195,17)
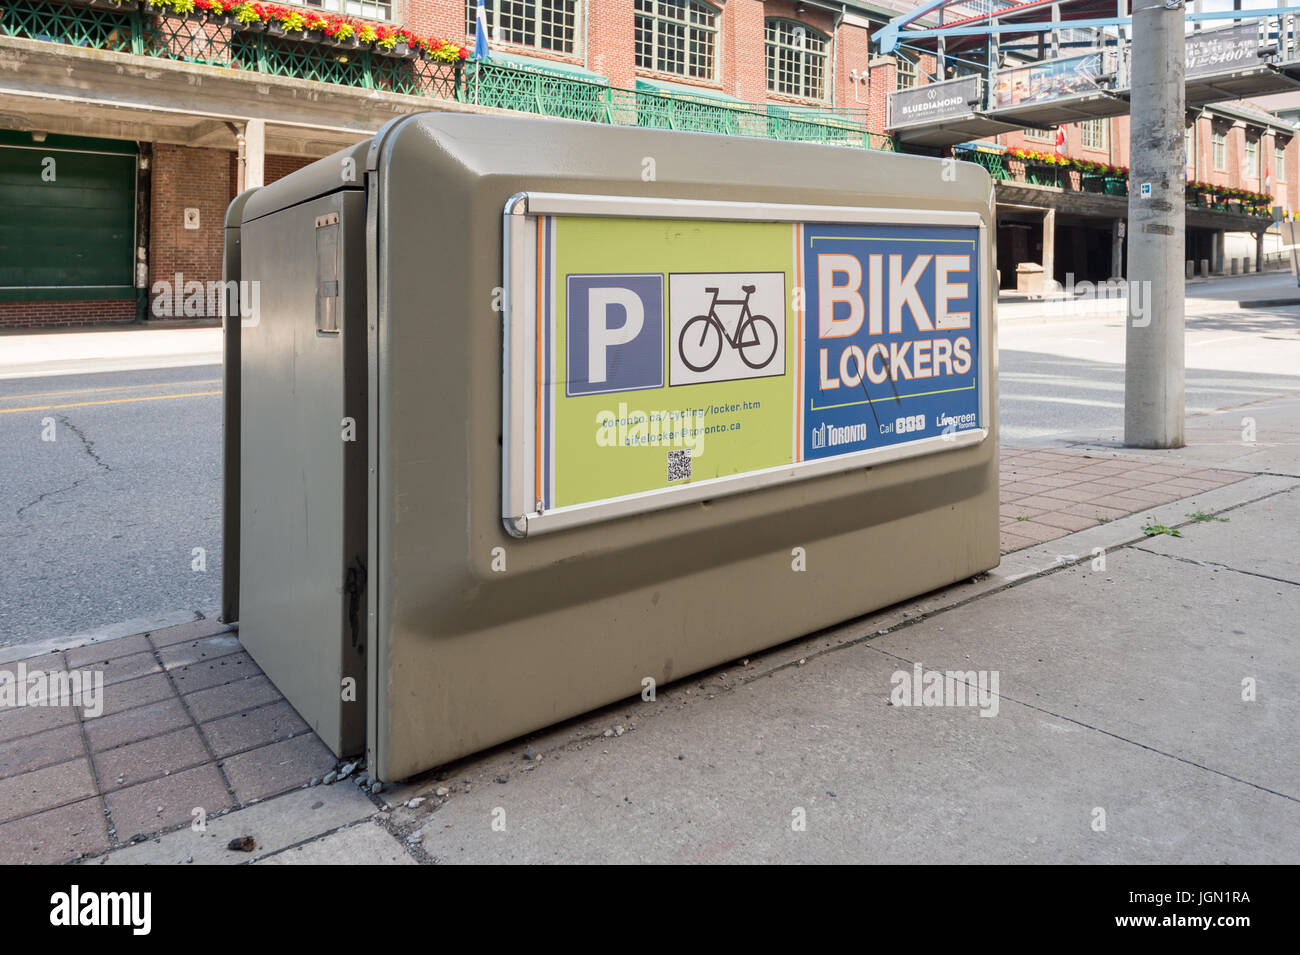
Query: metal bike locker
(530,555)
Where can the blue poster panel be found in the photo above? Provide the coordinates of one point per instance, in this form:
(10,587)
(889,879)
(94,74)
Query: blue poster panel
(891,336)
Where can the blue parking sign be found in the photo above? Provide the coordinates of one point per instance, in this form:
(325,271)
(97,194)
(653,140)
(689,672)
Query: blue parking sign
(614,333)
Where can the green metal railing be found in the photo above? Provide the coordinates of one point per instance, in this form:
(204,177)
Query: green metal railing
(555,94)
(1010,169)
(145,32)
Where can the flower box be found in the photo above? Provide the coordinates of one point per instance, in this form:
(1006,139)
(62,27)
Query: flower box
(313,36)
(275,28)
(401,49)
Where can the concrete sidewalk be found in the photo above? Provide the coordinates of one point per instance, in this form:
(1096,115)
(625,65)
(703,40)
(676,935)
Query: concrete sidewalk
(1120,734)
(39,354)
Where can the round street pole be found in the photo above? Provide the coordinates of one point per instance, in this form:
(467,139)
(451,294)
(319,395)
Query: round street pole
(1154,360)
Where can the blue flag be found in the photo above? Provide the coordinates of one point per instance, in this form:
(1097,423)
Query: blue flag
(480,32)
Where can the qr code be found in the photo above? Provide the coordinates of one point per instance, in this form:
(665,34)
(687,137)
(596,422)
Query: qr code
(679,465)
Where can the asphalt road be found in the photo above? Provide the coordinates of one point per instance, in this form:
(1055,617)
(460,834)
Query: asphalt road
(99,525)
(1063,377)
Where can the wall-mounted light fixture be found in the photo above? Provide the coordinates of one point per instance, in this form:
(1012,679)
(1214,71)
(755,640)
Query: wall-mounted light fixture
(38,135)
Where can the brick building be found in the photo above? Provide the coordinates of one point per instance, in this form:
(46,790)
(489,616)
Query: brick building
(128,127)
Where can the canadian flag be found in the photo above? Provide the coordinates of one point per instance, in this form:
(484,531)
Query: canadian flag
(1268,178)
(1060,140)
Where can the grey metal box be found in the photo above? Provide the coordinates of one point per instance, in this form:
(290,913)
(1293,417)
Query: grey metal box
(477,568)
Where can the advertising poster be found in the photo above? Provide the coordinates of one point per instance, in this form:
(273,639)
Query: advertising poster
(1218,51)
(677,352)
(1049,80)
(935,102)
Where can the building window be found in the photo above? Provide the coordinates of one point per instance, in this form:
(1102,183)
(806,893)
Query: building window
(676,36)
(1041,135)
(1092,134)
(1279,162)
(796,59)
(904,74)
(1252,157)
(369,9)
(541,24)
(1219,148)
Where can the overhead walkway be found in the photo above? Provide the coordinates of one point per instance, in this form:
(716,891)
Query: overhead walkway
(1041,73)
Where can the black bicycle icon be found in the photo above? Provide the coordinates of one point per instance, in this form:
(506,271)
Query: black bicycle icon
(755,337)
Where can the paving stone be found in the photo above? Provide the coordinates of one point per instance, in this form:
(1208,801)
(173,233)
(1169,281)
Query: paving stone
(56,835)
(132,693)
(186,632)
(17,722)
(1009,542)
(1076,494)
(137,724)
(1046,503)
(267,724)
(274,769)
(120,669)
(43,749)
(136,809)
(45,788)
(106,650)
(44,663)
(231,698)
(1096,511)
(273,825)
(1038,533)
(150,758)
(1012,511)
(1069,522)
(197,651)
(209,673)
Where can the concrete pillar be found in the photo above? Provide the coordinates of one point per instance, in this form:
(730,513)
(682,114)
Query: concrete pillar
(255,153)
(1189,269)
(1232,265)
(1049,246)
(1117,249)
(1205,267)
(1154,396)
(251,145)
(1218,251)
(1259,252)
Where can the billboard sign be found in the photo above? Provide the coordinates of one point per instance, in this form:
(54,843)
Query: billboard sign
(935,102)
(654,357)
(1050,80)
(1220,51)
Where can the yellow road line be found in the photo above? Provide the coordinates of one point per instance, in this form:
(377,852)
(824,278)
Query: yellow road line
(87,391)
(110,401)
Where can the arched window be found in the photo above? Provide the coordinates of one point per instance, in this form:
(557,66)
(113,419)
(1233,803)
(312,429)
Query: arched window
(542,24)
(796,59)
(676,36)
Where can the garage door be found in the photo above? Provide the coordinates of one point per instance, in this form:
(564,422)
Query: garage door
(67,218)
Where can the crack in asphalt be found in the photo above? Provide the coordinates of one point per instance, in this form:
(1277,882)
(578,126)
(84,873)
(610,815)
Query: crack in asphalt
(86,445)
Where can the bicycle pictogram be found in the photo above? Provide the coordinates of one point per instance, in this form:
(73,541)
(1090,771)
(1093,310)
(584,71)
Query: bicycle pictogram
(701,339)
